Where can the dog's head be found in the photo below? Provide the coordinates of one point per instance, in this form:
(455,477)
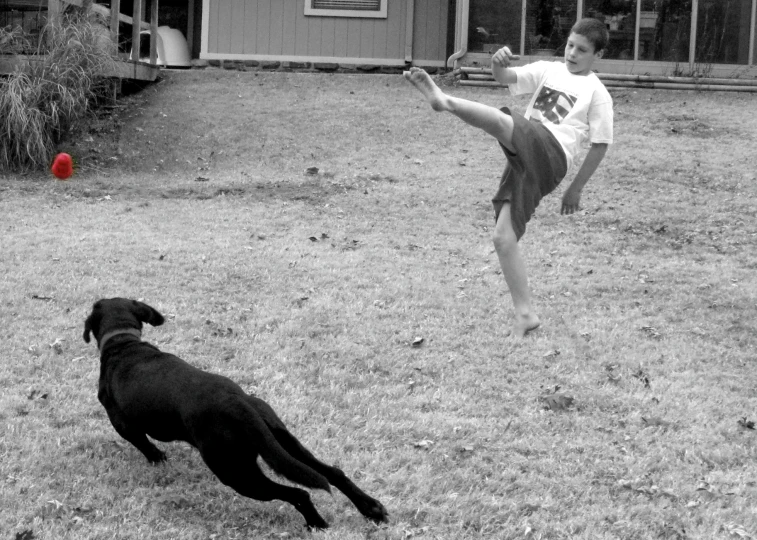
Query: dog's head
(114,314)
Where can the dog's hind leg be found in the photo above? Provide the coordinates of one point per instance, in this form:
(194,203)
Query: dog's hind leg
(242,474)
(366,505)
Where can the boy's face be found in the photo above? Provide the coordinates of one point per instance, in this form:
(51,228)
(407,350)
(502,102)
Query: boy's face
(580,54)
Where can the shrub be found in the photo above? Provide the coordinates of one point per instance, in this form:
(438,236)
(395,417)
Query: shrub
(52,96)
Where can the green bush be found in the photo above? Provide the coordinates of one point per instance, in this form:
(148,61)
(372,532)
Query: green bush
(52,96)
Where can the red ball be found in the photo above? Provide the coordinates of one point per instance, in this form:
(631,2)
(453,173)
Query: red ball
(63,166)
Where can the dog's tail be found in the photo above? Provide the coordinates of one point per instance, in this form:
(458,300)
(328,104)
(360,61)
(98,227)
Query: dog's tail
(277,457)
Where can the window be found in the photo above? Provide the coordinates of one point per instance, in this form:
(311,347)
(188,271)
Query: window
(346,8)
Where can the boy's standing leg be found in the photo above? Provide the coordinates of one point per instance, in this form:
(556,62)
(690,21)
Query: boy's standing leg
(500,126)
(514,270)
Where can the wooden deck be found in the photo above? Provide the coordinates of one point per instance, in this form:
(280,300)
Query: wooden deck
(124,68)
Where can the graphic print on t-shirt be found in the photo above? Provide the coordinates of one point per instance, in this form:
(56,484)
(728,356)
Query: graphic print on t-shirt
(553,104)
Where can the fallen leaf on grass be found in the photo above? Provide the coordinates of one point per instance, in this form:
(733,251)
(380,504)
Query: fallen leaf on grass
(218,330)
(409,533)
(425,444)
(746,424)
(655,421)
(57,346)
(36,394)
(737,530)
(464,450)
(643,376)
(651,331)
(53,508)
(351,245)
(557,402)
(552,353)
(527,508)
(652,490)
(417,342)
(176,501)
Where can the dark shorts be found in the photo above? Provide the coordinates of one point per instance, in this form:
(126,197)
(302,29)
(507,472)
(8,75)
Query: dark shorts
(534,170)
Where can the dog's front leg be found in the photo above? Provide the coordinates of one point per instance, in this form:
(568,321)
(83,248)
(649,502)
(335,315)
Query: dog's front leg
(137,438)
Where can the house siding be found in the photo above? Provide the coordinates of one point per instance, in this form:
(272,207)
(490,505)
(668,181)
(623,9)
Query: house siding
(279,29)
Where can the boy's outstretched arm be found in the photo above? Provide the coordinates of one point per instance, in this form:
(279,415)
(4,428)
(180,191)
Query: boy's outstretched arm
(572,195)
(501,66)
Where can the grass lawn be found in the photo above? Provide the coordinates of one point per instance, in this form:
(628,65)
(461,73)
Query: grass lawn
(313,290)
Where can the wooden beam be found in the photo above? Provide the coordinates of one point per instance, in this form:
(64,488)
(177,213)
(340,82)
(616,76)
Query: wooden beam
(122,69)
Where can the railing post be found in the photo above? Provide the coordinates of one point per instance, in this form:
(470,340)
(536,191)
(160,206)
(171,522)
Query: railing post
(53,18)
(135,29)
(115,11)
(154,32)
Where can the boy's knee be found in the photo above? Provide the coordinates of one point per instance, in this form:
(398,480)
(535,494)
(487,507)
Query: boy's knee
(504,240)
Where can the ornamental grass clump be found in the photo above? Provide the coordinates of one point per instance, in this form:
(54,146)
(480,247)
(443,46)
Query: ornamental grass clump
(52,95)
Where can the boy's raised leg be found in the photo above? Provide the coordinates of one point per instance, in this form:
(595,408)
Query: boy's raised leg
(514,270)
(490,119)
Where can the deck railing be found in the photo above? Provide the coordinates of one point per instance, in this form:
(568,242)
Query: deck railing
(114,16)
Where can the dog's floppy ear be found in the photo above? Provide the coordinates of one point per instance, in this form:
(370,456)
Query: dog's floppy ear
(147,313)
(87,328)
(92,324)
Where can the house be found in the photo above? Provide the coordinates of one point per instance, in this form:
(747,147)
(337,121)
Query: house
(669,37)
(368,32)
(657,37)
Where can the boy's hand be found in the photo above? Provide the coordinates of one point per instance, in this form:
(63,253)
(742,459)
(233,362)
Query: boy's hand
(570,201)
(504,57)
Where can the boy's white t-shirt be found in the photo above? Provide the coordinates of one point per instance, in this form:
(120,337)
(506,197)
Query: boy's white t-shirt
(577,109)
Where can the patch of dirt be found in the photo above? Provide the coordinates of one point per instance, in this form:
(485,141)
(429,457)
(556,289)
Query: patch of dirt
(691,126)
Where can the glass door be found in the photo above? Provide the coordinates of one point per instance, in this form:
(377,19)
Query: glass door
(620,18)
(548,24)
(723,31)
(492,24)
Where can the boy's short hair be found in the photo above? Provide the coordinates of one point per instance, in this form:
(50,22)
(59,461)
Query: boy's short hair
(594,30)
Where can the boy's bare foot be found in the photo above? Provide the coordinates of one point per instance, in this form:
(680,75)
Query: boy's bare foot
(524,324)
(423,82)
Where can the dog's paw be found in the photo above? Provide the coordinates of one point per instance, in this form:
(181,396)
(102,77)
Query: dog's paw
(317,523)
(374,510)
(158,456)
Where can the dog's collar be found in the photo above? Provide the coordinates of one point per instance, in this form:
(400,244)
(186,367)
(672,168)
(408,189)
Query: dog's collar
(109,335)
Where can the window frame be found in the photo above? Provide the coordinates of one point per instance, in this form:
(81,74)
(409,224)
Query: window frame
(312,11)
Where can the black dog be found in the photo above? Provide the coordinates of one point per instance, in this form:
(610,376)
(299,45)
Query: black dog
(149,392)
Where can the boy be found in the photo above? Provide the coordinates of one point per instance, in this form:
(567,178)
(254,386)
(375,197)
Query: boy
(569,108)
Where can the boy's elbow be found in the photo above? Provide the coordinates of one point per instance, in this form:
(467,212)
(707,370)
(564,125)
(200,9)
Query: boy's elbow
(599,149)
